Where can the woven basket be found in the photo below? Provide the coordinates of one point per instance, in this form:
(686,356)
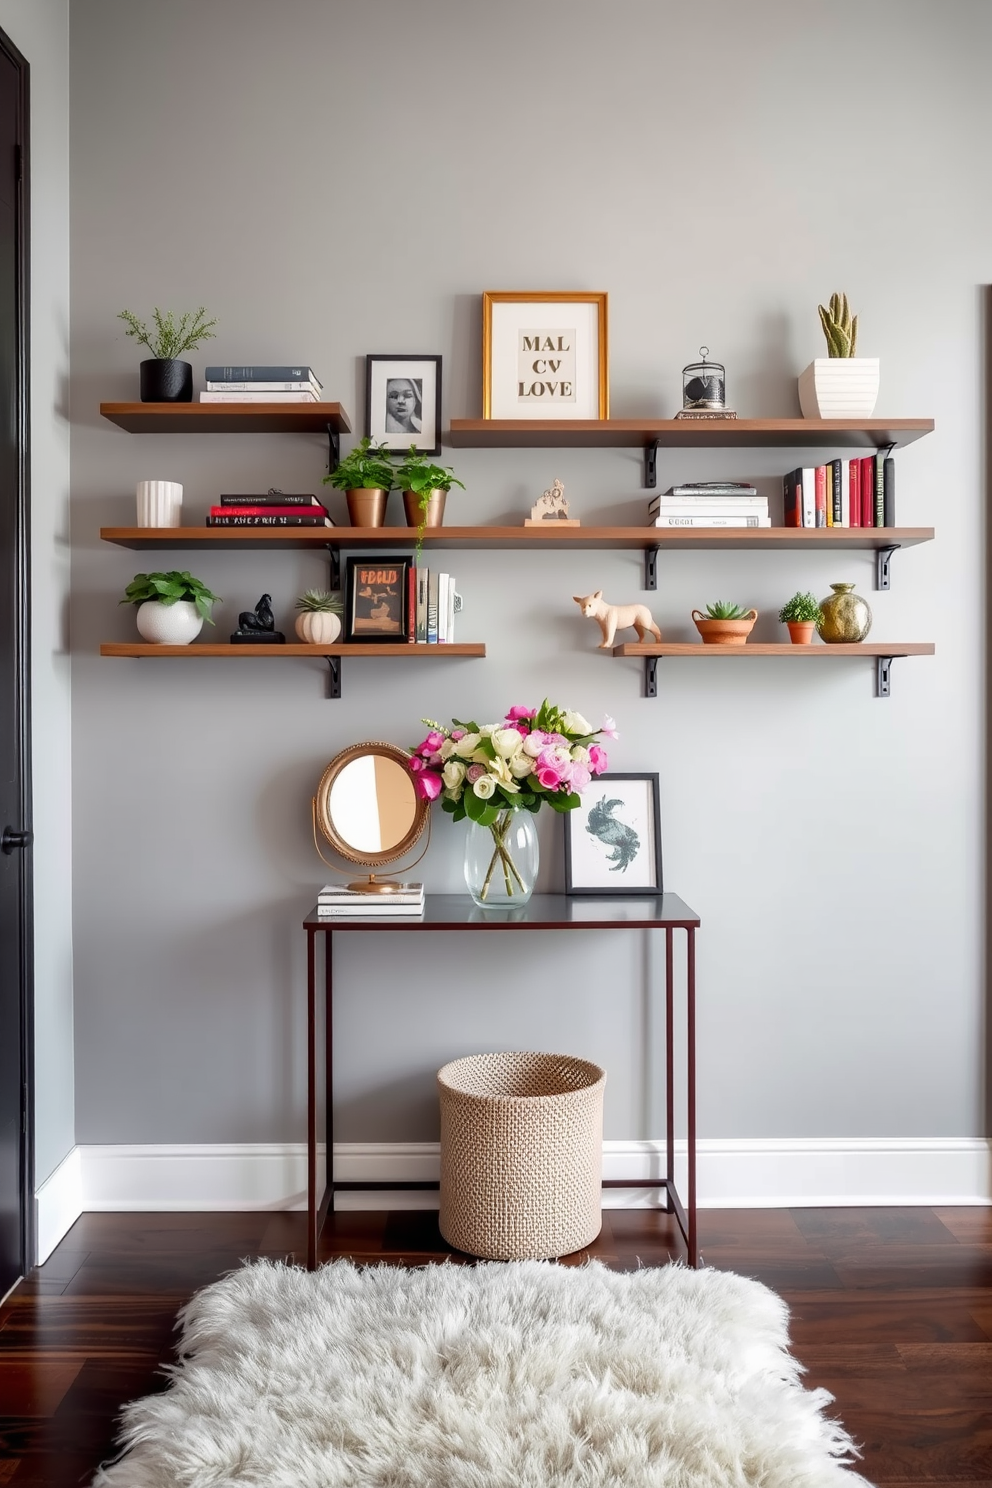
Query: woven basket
(521,1154)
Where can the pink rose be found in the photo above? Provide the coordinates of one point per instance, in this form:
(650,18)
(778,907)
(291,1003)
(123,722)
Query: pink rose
(474,773)
(580,778)
(433,742)
(598,760)
(428,786)
(550,779)
(457,734)
(518,712)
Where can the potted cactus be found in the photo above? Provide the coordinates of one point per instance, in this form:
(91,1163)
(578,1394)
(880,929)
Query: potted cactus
(724,624)
(319,620)
(802,614)
(841,384)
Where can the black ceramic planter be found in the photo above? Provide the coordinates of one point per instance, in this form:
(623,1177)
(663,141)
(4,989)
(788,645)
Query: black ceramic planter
(164,380)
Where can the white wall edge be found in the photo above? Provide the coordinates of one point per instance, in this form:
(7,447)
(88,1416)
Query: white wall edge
(732,1174)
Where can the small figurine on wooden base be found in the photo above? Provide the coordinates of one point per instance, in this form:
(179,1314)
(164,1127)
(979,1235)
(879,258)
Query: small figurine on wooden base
(612,618)
(551,507)
(258,626)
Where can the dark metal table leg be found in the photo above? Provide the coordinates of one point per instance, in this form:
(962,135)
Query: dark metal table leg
(690,988)
(669,1074)
(311,1104)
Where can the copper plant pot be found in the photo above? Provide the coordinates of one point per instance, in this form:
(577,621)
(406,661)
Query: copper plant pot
(366,506)
(415,516)
(724,632)
(801,631)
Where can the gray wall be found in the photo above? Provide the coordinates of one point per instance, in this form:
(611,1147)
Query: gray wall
(333,180)
(40,30)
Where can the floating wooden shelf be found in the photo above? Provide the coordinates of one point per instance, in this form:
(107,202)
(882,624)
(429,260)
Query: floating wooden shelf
(333,655)
(882,652)
(227,418)
(684,433)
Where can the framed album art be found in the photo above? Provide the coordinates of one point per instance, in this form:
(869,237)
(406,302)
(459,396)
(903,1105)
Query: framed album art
(544,355)
(377,608)
(613,839)
(403,402)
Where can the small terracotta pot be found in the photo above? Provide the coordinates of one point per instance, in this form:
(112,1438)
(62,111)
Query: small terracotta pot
(724,632)
(414,511)
(801,631)
(366,506)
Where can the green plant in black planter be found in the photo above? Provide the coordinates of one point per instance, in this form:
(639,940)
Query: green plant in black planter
(366,475)
(423,483)
(164,378)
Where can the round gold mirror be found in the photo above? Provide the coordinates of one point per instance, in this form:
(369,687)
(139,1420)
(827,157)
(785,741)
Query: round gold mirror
(367,808)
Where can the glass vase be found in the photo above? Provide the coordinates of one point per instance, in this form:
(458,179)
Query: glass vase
(501,860)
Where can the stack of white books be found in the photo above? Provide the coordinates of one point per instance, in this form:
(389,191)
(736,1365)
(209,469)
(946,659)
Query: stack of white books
(337,900)
(710,504)
(257,383)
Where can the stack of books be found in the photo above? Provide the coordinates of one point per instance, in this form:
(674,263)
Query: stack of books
(842,493)
(338,901)
(261,384)
(430,607)
(710,504)
(274,509)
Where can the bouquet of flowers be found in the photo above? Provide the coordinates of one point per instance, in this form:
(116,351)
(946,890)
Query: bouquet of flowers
(489,771)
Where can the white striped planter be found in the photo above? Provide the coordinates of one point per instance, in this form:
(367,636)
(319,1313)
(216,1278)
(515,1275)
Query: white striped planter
(839,387)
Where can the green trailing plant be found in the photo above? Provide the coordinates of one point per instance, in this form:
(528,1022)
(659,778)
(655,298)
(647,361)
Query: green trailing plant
(721,610)
(368,466)
(169,337)
(321,602)
(418,475)
(839,327)
(169,589)
(801,607)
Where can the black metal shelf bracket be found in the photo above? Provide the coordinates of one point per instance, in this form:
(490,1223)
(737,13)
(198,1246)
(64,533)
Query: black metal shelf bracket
(883,577)
(651,568)
(883,676)
(333,566)
(650,676)
(333,676)
(651,464)
(333,449)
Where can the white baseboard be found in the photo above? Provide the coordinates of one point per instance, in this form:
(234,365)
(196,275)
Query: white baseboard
(732,1174)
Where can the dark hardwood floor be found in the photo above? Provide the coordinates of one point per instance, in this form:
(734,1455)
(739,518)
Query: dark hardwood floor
(891,1312)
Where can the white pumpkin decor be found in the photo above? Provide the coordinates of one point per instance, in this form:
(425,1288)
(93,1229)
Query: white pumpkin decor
(319,621)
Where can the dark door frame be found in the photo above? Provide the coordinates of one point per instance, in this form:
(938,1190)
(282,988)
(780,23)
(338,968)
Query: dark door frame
(22,643)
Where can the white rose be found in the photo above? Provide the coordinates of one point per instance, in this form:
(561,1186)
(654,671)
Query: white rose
(533,745)
(453,774)
(466,746)
(506,742)
(484,787)
(521,765)
(487,729)
(574,723)
(580,754)
(447,749)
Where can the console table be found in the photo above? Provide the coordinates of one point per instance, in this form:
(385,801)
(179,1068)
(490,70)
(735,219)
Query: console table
(458,912)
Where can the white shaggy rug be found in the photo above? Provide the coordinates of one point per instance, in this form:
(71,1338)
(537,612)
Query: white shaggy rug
(526,1375)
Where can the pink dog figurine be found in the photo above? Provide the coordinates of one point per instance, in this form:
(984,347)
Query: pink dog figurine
(612,618)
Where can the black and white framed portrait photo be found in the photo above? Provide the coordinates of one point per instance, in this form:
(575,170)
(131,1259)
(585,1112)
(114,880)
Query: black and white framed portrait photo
(613,838)
(403,402)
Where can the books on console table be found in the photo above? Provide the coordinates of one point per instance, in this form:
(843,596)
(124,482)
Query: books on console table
(335,893)
(333,901)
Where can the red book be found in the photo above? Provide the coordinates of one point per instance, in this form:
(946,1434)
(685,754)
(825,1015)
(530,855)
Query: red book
(821,495)
(867,492)
(792,492)
(262,510)
(854,492)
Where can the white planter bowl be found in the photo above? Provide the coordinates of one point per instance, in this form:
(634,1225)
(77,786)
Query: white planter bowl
(839,387)
(318,627)
(169,625)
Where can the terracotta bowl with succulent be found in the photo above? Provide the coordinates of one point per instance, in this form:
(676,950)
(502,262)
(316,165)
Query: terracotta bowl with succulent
(724,624)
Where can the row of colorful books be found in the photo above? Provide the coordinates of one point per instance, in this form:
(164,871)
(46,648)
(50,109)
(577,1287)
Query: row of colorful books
(431,606)
(274,509)
(284,383)
(335,900)
(842,493)
(710,504)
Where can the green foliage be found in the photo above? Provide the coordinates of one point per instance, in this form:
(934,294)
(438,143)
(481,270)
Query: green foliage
(839,327)
(801,607)
(418,474)
(721,610)
(368,466)
(171,337)
(320,601)
(169,588)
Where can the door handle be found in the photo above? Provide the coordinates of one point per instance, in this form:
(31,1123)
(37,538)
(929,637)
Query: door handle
(9,839)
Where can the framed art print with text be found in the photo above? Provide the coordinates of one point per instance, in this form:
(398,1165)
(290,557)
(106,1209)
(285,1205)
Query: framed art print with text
(544,355)
(613,838)
(403,402)
(377,608)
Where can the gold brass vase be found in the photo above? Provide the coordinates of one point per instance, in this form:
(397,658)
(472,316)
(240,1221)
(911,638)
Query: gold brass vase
(366,506)
(415,514)
(846,616)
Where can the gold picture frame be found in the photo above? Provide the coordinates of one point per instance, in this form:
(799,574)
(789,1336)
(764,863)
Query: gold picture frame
(545,354)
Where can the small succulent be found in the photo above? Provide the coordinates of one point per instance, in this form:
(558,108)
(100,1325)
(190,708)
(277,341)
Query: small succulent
(321,602)
(721,610)
(169,589)
(801,607)
(839,327)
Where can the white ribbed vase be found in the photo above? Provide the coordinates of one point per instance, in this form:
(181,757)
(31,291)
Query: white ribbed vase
(839,387)
(169,625)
